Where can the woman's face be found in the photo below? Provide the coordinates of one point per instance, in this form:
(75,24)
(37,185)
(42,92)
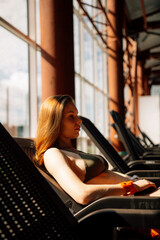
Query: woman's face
(70,125)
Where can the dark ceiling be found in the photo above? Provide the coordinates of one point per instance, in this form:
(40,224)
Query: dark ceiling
(143,25)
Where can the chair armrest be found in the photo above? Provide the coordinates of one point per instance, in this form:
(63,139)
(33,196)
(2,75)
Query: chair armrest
(124,218)
(126,203)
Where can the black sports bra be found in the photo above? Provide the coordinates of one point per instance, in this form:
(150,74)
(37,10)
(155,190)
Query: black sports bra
(95,164)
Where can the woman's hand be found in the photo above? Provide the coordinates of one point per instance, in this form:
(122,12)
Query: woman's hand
(143,184)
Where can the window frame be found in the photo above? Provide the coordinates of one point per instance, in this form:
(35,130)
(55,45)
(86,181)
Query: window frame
(83,80)
(33,48)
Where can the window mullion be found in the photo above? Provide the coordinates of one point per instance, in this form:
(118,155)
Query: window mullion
(82,65)
(33,103)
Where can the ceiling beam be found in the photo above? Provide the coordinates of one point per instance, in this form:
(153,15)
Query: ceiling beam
(154,55)
(154,65)
(155,73)
(152,13)
(154,82)
(155,46)
(153,25)
(144,14)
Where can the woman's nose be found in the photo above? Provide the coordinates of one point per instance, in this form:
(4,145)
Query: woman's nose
(79,120)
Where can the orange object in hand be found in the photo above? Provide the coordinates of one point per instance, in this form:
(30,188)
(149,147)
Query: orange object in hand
(129,188)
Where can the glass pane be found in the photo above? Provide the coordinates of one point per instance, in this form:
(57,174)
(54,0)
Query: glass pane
(100,77)
(15,12)
(100,117)
(85,144)
(78,94)
(14,97)
(99,19)
(75,4)
(88,56)
(76,45)
(89,102)
(126,93)
(89,10)
(38,22)
(39,86)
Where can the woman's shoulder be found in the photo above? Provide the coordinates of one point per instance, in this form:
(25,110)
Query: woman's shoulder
(53,158)
(51,152)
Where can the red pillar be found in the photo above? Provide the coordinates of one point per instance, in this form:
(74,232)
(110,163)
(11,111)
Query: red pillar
(115,63)
(57,61)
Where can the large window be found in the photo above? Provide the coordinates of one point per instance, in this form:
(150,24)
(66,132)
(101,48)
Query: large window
(20,69)
(14,85)
(90,76)
(20,73)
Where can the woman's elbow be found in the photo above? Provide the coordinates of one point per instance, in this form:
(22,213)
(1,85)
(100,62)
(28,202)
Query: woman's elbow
(83,197)
(82,200)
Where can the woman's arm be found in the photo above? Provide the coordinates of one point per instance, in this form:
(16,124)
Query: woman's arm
(57,164)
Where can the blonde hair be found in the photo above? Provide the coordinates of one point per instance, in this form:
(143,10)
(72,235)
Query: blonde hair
(49,123)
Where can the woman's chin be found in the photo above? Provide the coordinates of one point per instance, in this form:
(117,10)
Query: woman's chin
(75,135)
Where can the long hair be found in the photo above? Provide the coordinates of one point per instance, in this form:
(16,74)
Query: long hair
(49,124)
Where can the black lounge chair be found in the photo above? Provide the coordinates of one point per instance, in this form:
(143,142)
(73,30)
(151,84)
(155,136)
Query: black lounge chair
(141,150)
(28,147)
(127,141)
(148,143)
(139,168)
(31,209)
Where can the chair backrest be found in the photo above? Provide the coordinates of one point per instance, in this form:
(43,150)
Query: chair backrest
(139,147)
(29,208)
(28,146)
(123,135)
(104,146)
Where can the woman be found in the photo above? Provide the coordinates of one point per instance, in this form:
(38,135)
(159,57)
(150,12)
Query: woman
(84,177)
